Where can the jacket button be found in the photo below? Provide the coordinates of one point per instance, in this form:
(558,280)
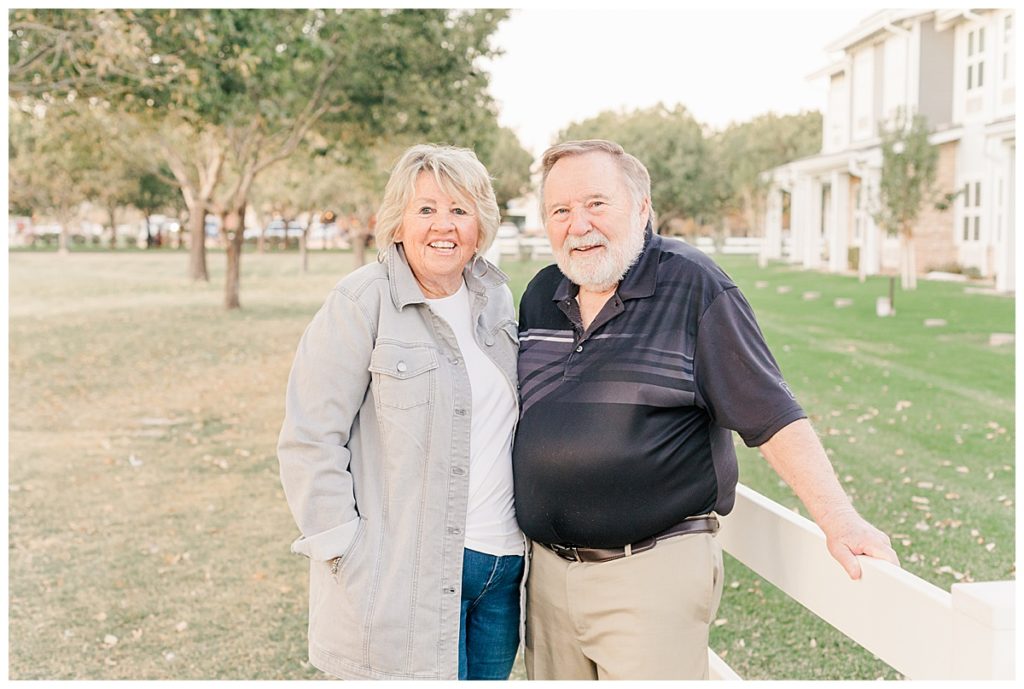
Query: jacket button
(455,362)
(449,589)
(454,530)
(458,471)
(460,412)
(580,348)
(402,367)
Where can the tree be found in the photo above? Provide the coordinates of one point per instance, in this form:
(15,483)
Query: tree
(231,92)
(53,153)
(150,193)
(909,167)
(509,165)
(745,150)
(670,142)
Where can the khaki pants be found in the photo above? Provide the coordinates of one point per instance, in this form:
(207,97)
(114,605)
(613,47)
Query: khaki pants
(645,616)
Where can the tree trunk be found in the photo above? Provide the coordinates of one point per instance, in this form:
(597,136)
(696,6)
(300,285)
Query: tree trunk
(234,234)
(113,226)
(232,276)
(359,245)
(62,240)
(304,242)
(197,249)
(908,273)
(303,254)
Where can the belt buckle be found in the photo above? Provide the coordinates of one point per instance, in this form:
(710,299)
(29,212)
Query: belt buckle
(565,552)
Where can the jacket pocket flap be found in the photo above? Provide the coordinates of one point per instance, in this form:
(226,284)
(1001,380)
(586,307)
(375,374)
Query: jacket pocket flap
(402,362)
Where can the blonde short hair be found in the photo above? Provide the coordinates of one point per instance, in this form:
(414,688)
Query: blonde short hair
(457,171)
(637,178)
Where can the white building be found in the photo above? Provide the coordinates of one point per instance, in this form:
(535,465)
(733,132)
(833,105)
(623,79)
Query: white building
(955,67)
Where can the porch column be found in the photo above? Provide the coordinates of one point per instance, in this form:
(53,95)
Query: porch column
(871,244)
(812,224)
(838,248)
(771,247)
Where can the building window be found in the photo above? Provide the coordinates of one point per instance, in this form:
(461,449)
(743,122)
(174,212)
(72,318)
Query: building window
(971,228)
(976,58)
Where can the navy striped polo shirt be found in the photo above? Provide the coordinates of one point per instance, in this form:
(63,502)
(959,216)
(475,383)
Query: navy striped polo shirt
(626,427)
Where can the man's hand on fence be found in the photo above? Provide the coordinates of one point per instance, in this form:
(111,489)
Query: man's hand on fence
(847,535)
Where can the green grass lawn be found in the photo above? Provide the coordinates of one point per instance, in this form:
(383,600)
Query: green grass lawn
(148,530)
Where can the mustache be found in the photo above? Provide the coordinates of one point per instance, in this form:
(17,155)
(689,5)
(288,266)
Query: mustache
(592,238)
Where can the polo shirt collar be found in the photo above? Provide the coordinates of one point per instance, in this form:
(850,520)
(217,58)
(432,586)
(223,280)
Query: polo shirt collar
(478,273)
(640,280)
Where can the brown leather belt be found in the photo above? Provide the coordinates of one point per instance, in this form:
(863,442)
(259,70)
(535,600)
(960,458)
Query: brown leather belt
(701,524)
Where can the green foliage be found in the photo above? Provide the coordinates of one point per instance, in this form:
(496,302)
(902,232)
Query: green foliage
(54,154)
(509,165)
(909,168)
(748,149)
(671,143)
(151,192)
(225,94)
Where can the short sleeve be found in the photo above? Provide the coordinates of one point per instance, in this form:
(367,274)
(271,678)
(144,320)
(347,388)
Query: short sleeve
(738,380)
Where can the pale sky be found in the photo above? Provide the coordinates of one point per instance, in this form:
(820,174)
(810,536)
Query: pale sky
(724,65)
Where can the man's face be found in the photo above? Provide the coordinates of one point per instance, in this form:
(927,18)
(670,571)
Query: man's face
(596,229)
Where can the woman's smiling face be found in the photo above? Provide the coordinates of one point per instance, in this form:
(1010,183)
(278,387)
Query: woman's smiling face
(440,235)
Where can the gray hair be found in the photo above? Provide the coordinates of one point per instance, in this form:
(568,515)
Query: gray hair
(457,171)
(637,178)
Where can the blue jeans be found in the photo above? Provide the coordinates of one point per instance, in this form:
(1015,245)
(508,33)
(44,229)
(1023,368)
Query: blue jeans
(489,626)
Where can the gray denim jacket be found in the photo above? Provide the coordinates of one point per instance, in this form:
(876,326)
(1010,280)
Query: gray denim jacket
(374,455)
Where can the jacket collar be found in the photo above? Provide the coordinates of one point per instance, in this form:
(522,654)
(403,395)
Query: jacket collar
(640,279)
(480,275)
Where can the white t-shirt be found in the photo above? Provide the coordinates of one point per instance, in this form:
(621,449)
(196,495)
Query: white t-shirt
(491,516)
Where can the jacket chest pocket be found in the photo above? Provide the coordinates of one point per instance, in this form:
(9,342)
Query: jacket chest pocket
(403,377)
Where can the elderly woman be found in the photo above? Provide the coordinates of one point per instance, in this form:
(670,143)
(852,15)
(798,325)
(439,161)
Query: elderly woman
(396,446)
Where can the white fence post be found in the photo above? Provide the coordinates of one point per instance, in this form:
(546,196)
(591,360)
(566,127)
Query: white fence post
(983,630)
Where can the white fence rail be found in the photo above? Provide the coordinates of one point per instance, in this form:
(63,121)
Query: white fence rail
(916,627)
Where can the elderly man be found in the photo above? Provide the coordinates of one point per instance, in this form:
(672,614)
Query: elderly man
(638,357)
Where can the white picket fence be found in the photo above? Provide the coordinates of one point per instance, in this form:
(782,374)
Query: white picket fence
(914,626)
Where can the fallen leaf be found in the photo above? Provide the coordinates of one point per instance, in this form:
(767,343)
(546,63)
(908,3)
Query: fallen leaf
(110,640)
(181,626)
(100,616)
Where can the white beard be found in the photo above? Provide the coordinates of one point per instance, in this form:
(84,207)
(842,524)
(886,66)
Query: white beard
(603,272)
